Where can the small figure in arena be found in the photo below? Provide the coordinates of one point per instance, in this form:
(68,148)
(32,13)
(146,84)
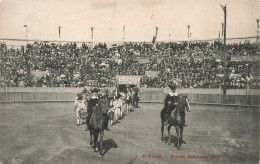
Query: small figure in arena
(111,111)
(115,109)
(120,104)
(92,103)
(128,98)
(78,95)
(117,104)
(79,107)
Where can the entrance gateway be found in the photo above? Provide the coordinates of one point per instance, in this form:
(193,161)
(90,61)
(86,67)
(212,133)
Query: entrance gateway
(123,81)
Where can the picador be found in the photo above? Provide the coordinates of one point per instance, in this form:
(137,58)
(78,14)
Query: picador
(91,106)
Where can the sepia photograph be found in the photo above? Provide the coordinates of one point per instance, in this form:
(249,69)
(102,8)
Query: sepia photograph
(129,81)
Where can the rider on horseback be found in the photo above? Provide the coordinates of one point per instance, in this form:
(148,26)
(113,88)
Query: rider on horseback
(92,103)
(170,101)
(171,97)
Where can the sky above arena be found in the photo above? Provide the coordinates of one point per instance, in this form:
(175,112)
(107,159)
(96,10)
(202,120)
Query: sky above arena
(140,18)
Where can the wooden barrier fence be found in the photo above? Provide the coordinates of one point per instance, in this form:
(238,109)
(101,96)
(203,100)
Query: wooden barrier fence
(201,96)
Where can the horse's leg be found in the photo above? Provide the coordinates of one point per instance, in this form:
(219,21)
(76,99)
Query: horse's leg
(169,129)
(162,125)
(181,131)
(101,143)
(91,139)
(178,136)
(162,129)
(95,142)
(86,129)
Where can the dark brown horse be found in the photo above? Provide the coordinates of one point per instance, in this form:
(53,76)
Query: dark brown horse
(175,117)
(136,98)
(98,122)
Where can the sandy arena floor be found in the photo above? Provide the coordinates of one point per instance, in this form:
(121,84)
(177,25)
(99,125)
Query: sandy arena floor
(47,133)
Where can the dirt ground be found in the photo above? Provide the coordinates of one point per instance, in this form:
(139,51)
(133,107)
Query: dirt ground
(47,133)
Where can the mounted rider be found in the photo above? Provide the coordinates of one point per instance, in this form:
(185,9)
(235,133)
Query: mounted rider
(171,98)
(92,103)
(171,101)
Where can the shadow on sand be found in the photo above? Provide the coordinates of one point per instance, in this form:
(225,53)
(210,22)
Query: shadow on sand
(116,122)
(107,145)
(132,110)
(173,140)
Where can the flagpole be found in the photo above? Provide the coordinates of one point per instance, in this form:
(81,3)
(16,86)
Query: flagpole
(92,45)
(26,32)
(59,28)
(222,30)
(154,38)
(188,26)
(257,37)
(225,62)
(124,34)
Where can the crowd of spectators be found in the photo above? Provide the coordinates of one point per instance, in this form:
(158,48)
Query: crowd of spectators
(190,65)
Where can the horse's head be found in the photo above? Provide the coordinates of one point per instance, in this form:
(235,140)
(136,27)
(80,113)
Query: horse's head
(186,102)
(170,105)
(103,102)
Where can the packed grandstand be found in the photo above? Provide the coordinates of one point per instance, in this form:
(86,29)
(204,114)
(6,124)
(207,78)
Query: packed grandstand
(189,64)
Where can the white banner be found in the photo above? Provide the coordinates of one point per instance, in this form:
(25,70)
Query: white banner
(39,74)
(152,73)
(128,80)
(143,60)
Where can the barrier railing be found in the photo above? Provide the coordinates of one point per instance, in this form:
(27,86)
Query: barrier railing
(36,97)
(251,100)
(199,96)
(143,90)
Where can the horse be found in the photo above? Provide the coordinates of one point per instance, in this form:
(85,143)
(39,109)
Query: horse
(97,123)
(175,117)
(135,99)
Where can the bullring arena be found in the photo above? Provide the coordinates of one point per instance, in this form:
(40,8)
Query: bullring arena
(46,132)
(63,60)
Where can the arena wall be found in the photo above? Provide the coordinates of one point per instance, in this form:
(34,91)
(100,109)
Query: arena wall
(241,97)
